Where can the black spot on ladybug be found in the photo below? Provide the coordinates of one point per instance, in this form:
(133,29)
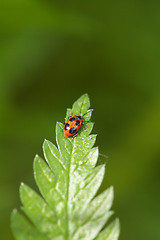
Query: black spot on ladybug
(72,119)
(79,117)
(66,126)
(77,123)
(72,130)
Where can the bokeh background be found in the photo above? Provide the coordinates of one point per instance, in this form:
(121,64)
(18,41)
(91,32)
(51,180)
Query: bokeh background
(51,52)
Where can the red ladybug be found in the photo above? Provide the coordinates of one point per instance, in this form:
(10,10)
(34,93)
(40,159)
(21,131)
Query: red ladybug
(73,124)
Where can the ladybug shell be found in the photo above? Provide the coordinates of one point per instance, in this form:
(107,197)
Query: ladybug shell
(72,125)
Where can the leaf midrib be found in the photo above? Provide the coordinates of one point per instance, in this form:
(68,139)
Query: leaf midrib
(68,186)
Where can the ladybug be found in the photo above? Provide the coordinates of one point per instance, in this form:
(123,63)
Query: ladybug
(73,124)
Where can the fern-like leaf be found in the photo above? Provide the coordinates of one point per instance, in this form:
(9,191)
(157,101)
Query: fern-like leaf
(68,180)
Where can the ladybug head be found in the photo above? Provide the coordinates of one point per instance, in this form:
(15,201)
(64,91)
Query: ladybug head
(79,117)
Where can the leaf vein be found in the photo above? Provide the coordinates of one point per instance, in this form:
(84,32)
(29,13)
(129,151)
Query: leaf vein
(56,158)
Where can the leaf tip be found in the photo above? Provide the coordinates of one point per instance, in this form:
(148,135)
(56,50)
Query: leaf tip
(36,159)
(97,149)
(45,140)
(14,211)
(13,216)
(104,166)
(23,188)
(59,125)
(117,223)
(22,184)
(111,188)
(85,95)
(111,193)
(44,143)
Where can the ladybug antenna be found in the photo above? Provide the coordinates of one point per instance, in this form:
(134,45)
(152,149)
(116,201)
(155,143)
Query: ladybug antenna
(90,110)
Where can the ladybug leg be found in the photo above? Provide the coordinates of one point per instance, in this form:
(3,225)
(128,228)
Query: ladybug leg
(84,122)
(75,135)
(84,129)
(90,110)
(70,115)
(84,126)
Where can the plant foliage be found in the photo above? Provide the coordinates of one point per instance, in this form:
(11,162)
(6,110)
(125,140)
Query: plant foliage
(68,180)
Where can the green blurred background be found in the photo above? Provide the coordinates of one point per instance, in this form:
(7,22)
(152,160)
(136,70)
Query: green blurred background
(51,52)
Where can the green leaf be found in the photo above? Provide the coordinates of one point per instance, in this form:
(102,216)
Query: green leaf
(68,208)
(23,229)
(111,232)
